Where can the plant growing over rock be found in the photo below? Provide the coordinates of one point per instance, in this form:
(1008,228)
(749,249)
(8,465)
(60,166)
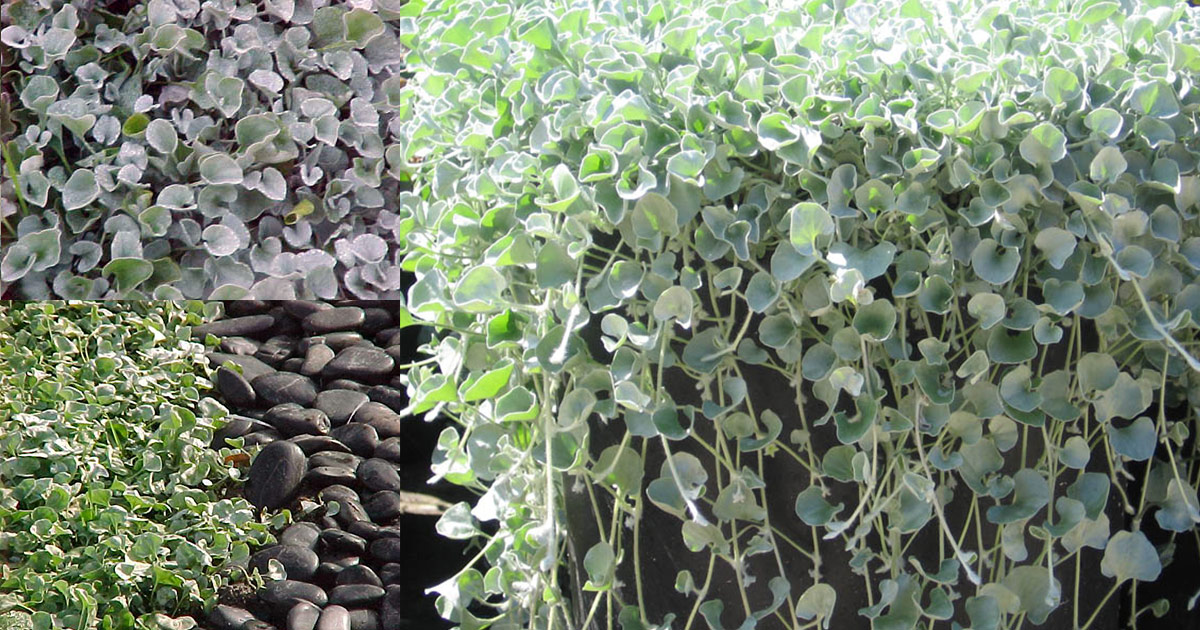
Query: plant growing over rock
(113,509)
(885,296)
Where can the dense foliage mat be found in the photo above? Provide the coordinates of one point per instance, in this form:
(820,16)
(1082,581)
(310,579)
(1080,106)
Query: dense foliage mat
(964,234)
(114,511)
(180,148)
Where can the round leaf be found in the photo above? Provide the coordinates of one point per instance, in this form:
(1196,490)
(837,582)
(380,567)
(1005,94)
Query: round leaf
(1130,556)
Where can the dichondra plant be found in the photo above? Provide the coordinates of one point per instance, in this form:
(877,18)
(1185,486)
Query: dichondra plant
(962,236)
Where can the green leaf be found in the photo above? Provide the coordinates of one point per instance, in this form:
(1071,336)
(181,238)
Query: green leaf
(128,273)
(654,214)
(761,292)
(687,166)
(598,562)
(876,320)
(160,134)
(1031,493)
(995,264)
(1104,121)
(362,26)
(1075,453)
(812,508)
(775,130)
(1130,556)
(1039,593)
(80,190)
(1097,371)
(517,405)
(1057,243)
(1060,86)
(987,308)
(218,168)
(135,125)
(457,523)
(555,267)
(808,222)
(1044,145)
(480,290)
(621,467)
(487,384)
(817,602)
(674,303)
(1108,165)
(1005,348)
(1136,441)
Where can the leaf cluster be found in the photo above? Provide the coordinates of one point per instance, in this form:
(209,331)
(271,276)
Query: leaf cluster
(114,511)
(966,236)
(199,149)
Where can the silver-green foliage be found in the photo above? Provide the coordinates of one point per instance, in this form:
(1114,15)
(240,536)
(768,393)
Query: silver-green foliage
(922,199)
(113,508)
(188,148)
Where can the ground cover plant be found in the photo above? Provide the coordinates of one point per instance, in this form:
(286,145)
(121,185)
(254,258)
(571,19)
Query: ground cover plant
(198,149)
(933,266)
(114,511)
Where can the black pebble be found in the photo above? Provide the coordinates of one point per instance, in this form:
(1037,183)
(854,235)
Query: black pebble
(359,574)
(386,549)
(235,388)
(276,350)
(275,475)
(292,365)
(252,368)
(390,573)
(364,619)
(300,535)
(356,595)
(340,340)
(383,506)
(375,320)
(323,476)
(303,616)
(313,444)
(315,360)
(239,345)
(334,458)
(366,529)
(391,397)
(389,449)
(393,605)
(340,404)
(282,595)
(334,319)
(361,438)
(365,364)
(285,387)
(224,617)
(341,540)
(299,562)
(379,474)
(235,327)
(334,618)
(291,419)
(303,308)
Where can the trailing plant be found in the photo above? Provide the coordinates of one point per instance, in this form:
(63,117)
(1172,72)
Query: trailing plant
(114,511)
(965,234)
(198,148)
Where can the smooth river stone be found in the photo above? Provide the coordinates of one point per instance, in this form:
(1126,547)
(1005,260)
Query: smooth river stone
(236,426)
(239,345)
(301,535)
(313,444)
(334,320)
(323,476)
(372,410)
(234,388)
(275,475)
(340,404)
(303,308)
(364,619)
(291,419)
(388,396)
(299,562)
(257,624)
(356,595)
(360,363)
(334,458)
(388,426)
(386,549)
(235,327)
(303,616)
(379,474)
(334,617)
(239,308)
(339,341)
(252,368)
(361,438)
(390,573)
(376,319)
(345,383)
(344,541)
(282,595)
(366,529)
(261,438)
(392,606)
(389,449)
(276,350)
(383,506)
(285,387)
(225,617)
(315,360)
(292,365)
(360,574)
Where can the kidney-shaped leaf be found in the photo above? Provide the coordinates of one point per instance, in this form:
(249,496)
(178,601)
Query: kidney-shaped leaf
(1130,556)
